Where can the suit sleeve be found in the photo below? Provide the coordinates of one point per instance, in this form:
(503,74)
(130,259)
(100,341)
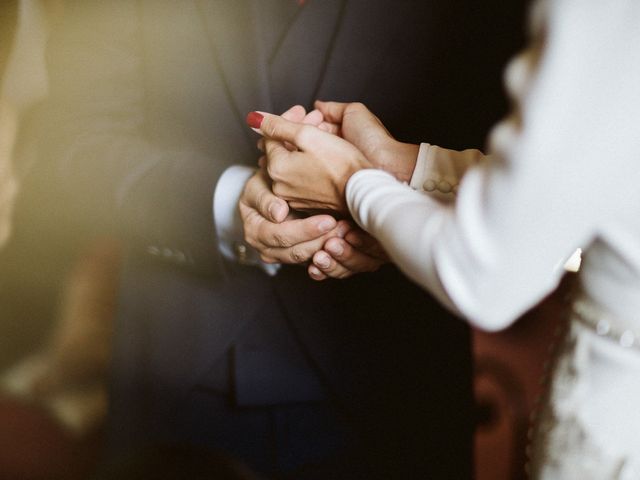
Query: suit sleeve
(110,174)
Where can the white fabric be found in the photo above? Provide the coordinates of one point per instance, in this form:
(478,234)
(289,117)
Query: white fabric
(589,428)
(568,178)
(228,222)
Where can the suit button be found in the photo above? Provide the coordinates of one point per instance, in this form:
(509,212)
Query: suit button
(240,251)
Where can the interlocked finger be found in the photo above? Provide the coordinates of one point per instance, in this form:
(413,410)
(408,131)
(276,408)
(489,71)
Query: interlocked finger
(340,260)
(302,252)
(329,266)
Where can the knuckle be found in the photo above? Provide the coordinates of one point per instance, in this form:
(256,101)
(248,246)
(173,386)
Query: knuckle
(304,134)
(355,107)
(268,127)
(281,240)
(273,168)
(297,255)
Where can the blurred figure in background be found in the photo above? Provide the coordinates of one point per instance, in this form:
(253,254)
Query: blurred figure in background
(23,83)
(32,444)
(25,28)
(51,401)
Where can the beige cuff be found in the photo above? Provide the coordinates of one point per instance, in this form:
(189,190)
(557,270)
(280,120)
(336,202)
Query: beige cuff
(438,171)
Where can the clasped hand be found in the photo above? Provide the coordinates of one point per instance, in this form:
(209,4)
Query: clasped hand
(308,160)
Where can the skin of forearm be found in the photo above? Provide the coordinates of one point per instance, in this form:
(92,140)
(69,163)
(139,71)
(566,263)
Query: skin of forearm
(399,159)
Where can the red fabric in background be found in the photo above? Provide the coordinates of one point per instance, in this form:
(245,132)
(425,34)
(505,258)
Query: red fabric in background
(34,447)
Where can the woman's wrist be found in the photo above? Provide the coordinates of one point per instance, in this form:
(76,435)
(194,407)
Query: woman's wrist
(400,159)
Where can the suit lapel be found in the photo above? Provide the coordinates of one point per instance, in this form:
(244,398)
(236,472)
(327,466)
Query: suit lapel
(237,53)
(299,58)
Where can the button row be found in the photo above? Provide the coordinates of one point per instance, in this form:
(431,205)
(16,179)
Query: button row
(177,256)
(443,186)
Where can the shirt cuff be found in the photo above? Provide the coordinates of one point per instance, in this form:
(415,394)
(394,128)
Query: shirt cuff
(227,220)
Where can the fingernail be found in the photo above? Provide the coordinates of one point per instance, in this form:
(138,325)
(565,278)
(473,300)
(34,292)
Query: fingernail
(314,271)
(254,119)
(343,229)
(335,248)
(276,210)
(322,260)
(326,225)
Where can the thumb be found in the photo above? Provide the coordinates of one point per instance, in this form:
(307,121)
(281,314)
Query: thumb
(258,196)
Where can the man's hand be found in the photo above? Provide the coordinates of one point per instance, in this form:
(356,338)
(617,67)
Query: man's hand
(279,235)
(359,126)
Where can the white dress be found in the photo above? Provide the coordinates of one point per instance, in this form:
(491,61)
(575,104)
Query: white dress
(565,173)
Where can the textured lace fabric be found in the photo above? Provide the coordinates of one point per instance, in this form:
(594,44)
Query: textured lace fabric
(589,426)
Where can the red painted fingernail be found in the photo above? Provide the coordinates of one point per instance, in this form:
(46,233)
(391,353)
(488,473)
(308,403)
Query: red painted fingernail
(254,119)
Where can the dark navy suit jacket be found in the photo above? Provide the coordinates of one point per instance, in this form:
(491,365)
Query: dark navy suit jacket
(365,377)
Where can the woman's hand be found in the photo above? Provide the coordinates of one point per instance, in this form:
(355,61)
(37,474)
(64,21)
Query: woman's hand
(314,176)
(357,252)
(359,126)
